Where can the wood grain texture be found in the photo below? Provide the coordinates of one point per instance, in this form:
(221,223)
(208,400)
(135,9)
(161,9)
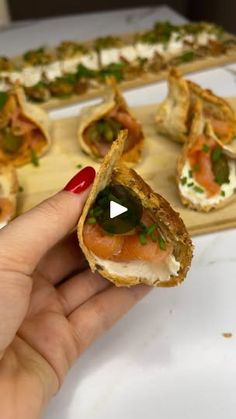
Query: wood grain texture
(157,167)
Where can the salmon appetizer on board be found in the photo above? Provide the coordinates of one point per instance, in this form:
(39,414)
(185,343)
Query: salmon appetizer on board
(175,113)
(206,175)
(147,244)
(24,129)
(8,191)
(99,125)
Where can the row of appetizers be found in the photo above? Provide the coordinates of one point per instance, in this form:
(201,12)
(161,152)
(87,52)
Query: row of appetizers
(74,68)
(203,122)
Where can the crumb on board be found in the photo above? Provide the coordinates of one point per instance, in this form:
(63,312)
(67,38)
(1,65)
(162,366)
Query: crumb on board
(227,335)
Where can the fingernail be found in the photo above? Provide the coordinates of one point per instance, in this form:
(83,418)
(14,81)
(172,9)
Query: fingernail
(81,181)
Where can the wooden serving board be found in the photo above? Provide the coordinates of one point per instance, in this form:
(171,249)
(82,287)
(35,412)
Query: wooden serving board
(146,79)
(157,167)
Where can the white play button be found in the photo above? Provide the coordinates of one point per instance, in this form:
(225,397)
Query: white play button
(116,209)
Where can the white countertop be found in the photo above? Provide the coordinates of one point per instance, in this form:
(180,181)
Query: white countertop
(166,359)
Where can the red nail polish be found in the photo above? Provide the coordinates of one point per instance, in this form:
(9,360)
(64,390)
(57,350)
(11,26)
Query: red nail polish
(81,181)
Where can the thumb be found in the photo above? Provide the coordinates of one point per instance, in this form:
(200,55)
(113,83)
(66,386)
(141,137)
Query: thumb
(27,238)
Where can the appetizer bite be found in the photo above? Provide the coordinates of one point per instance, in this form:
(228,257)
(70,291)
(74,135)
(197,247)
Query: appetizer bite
(175,113)
(148,243)
(206,177)
(24,129)
(38,56)
(173,117)
(220,114)
(8,191)
(100,124)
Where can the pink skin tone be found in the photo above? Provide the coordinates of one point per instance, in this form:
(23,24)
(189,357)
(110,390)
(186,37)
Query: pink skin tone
(45,324)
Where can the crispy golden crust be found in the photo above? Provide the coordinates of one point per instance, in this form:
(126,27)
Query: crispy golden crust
(172,113)
(172,226)
(40,119)
(199,126)
(112,97)
(8,192)
(175,113)
(220,105)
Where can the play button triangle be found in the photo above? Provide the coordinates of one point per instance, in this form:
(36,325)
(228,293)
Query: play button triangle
(116,209)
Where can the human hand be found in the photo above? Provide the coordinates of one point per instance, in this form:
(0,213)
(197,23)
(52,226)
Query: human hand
(51,306)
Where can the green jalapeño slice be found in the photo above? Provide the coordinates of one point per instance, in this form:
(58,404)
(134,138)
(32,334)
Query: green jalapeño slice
(124,222)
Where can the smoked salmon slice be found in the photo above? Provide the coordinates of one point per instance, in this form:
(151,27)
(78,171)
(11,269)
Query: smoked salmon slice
(200,162)
(124,248)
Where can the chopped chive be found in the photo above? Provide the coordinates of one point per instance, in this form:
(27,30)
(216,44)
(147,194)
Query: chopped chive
(189,185)
(198,189)
(79,166)
(222,193)
(34,158)
(234,190)
(97,211)
(142,239)
(21,189)
(187,56)
(91,220)
(183,180)
(205,148)
(216,154)
(151,229)
(3,99)
(196,167)
(190,173)
(143,227)
(162,243)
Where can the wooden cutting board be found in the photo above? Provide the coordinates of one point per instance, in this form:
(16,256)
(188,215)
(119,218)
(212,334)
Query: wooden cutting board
(157,167)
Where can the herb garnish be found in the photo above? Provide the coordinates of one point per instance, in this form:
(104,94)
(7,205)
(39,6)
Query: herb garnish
(20,189)
(205,148)
(142,239)
(146,232)
(222,193)
(162,243)
(91,220)
(85,72)
(3,99)
(190,184)
(106,42)
(113,69)
(187,56)
(190,173)
(196,167)
(183,180)
(216,154)
(34,158)
(198,189)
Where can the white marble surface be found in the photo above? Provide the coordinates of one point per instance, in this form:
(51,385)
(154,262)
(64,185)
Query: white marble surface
(166,359)
(84,26)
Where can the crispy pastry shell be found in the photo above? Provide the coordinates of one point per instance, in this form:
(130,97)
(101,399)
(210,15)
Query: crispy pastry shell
(199,126)
(172,114)
(173,229)
(39,118)
(89,114)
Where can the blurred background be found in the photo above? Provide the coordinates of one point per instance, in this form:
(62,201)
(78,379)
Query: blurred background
(221,12)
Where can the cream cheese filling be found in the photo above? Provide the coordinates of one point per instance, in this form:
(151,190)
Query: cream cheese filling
(196,198)
(148,271)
